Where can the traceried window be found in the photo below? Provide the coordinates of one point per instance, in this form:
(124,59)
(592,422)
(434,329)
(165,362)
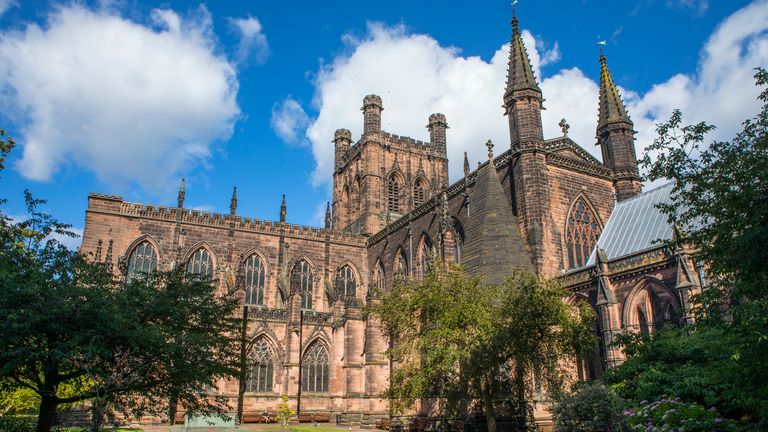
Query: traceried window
(201,263)
(393,199)
(345,281)
(582,232)
(262,369)
(426,256)
(378,277)
(401,268)
(254,280)
(419,193)
(314,369)
(143,259)
(301,281)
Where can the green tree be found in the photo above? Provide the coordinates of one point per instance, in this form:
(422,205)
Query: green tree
(284,411)
(455,339)
(720,211)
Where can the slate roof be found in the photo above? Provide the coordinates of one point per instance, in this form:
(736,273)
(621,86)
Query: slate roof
(494,245)
(636,224)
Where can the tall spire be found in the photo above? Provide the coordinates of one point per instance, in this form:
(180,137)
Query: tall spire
(282,210)
(466,165)
(612,108)
(233,202)
(328,215)
(519,71)
(182,194)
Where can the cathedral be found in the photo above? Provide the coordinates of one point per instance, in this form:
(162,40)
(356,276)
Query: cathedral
(542,204)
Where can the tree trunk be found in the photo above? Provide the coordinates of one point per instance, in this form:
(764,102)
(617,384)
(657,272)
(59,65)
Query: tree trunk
(97,414)
(490,412)
(519,395)
(47,414)
(173,407)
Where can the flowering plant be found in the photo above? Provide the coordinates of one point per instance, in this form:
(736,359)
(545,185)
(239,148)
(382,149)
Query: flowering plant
(674,415)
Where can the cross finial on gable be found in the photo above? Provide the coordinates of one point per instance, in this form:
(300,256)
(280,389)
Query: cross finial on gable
(564,126)
(489,144)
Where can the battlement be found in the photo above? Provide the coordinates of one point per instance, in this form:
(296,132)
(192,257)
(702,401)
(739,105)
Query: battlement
(112,204)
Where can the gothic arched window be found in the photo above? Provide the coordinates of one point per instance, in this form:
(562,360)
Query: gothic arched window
(345,281)
(301,281)
(143,259)
(426,256)
(401,267)
(582,232)
(314,369)
(393,198)
(458,240)
(254,280)
(201,263)
(419,193)
(262,369)
(378,277)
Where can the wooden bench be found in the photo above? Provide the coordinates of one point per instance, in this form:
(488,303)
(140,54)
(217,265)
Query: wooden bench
(305,418)
(321,417)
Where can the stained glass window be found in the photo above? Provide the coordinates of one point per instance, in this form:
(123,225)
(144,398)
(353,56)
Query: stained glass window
(345,281)
(260,379)
(201,263)
(301,281)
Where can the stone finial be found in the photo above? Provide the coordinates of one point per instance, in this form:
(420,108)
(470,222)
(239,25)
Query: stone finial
(282,210)
(489,144)
(466,165)
(182,194)
(233,202)
(564,126)
(327,215)
(437,118)
(372,108)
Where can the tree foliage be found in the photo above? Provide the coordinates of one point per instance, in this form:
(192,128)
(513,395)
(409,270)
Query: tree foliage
(720,212)
(588,407)
(461,342)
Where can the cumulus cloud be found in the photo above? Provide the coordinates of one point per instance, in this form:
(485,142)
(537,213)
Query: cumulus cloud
(129,102)
(289,121)
(469,90)
(253,42)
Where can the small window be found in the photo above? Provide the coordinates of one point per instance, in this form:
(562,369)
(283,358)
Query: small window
(419,193)
(314,369)
(254,281)
(201,263)
(345,281)
(378,277)
(143,259)
(401,268)
(301,281)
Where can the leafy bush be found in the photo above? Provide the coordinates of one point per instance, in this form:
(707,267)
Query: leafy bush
(17,423)
(676,415)
(588,407)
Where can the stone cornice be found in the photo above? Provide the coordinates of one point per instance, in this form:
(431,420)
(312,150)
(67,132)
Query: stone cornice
(580,166)
(646,261)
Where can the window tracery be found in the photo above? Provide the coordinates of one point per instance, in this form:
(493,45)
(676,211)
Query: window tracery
(262,370)
(301,281)
(201,263)
(582,232)
(254,280)
(143,259)
(314,369)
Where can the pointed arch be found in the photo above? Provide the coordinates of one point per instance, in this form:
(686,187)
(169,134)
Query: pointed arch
(377,276)
(582,230)
(262,366)
(253,274)
(395,183)
(143,255)
(201,260)
(357,188)
(302,282)
(400,263)
(425,251)
(589,363)
(457,239)
(647,306)
(315,367)
(420,191)
(346,280)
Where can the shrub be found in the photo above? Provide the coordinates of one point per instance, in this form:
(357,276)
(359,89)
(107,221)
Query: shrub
(674,414)
(588,407)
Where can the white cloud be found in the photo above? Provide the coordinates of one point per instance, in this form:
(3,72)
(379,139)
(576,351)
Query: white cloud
(253,42)
(416,76)
(289,121)
(5,5)
(71,243)
(128,102)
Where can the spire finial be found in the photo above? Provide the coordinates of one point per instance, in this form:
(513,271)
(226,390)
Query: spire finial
(466,165)
(327,215)
(519,70)
(182,194)
(489,144)
(233,202)
(564,126)
(601,43)
(282,210)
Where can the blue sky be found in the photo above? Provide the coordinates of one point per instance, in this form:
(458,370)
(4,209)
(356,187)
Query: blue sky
(127,97)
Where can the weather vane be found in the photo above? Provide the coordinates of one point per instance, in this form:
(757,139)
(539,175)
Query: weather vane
(601,43)
(513,7)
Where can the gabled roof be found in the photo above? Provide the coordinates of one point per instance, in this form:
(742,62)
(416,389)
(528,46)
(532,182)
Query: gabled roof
(636,224)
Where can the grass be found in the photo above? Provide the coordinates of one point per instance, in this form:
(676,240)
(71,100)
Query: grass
(306,428)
